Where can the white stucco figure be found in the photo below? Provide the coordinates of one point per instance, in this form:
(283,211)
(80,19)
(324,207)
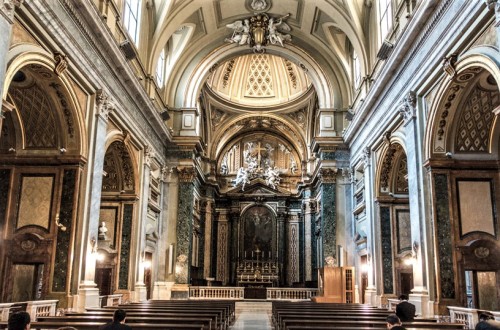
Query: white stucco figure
(276,36)
(241,178)
(241,33)
(273,177)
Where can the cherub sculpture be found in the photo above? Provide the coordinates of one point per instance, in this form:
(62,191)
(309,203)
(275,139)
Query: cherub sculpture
(273,177)
(276,36)
(241,33)
(241,178)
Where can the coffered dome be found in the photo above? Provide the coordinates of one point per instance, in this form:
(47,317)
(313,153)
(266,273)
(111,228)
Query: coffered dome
(259,80)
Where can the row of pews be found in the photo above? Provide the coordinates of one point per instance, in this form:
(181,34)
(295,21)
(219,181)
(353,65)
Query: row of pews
(309,315)
(154,314)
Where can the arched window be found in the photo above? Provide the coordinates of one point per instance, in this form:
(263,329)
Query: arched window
(131,14)
(356,70)
(385,15)
(160,69)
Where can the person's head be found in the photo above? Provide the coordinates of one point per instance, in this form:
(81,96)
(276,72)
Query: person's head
(392,321)
(119,315)
(403,297)
(19,321)
(485,316)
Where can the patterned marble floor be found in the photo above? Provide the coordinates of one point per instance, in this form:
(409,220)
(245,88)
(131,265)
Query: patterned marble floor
(252,315)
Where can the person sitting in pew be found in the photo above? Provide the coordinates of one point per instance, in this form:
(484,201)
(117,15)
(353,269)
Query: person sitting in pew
(19,321)
(405,310)
(394,323)
(487,322)
(118,322)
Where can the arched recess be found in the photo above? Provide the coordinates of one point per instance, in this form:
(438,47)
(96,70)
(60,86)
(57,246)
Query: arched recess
(41,152)
(117,214)
(394,220)
(186,93)
(250,123)
(462,145)
(478,64)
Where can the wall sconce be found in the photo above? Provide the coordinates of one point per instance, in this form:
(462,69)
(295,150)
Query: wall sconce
(60,225)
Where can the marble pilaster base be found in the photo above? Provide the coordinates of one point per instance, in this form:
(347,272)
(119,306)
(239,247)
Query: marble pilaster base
(422,303)
(88,296)
(162,290)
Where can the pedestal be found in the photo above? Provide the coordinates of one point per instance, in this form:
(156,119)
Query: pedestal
(421,302)
(140,293)
(180,291)
(162,290)
(88,296)
(371,296)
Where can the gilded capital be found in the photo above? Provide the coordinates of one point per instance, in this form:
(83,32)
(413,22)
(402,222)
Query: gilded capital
(186,174)
(408,108)
(103,104)
(328,175)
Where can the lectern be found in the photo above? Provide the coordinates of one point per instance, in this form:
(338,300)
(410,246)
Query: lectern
(336,285)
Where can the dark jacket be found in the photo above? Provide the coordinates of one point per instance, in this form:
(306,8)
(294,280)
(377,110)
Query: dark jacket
(488,325)
(405,311)
(115,326)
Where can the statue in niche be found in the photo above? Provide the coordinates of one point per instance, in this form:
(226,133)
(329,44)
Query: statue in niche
(224,169)
(241,33)
(102,231)
(276,36)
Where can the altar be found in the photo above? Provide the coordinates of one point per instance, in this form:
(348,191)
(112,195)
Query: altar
(257,272)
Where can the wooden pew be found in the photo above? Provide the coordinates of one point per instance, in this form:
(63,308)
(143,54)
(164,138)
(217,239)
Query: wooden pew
(96,325)
(353,323)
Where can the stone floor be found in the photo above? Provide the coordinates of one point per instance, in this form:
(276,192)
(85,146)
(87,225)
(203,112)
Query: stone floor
(252,315)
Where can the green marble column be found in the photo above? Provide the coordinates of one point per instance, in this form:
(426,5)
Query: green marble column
(328,212)
(184,224)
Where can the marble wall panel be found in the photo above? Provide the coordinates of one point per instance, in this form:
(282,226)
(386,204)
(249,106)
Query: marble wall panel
(329,221)
(475,206)
(128,211)
(35,201)
(4,195)
(64,236)
(386,241)
(444,239)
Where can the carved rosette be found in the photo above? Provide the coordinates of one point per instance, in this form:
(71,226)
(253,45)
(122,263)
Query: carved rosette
(407,109)
(328,175)
(104,104)
(186,174)
(8,8)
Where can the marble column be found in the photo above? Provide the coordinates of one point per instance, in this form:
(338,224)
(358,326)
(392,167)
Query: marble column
(140,290)
(222,246)
(207,259)
(7,9)
(419,295)
(309,207)
(282,243)
(371,296)
(184,224)
(293,250)
(234,248)
(88,293)
(328,212)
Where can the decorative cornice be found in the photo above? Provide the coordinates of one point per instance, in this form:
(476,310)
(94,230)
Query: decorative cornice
(8,8)
(103,104)
(186,174)
(408,108)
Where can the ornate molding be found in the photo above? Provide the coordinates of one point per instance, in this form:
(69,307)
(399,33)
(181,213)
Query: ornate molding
(8,8)
(149,154)
(366,156)
(103,104)
(449,65)
(61,63)
(408,108)
(328,175)
(186,174)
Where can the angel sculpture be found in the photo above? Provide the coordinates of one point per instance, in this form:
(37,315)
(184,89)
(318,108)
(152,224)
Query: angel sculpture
(293,165)
(241,177)
(276,36)
(241,33)
(273,177)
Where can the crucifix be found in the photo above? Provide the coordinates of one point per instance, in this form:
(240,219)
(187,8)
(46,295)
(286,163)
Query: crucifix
(259,148)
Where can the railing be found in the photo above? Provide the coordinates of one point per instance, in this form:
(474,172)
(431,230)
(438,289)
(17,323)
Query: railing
(40,308)
(391,304)
(110,300)
(210,292)
(4,311)
(467,316)
(290,293)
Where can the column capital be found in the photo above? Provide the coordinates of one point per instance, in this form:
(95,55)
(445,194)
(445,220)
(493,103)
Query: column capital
(366,156)
(8,7)
(149,154)
(407,108)
(186,174)
(328,175)
(104,104)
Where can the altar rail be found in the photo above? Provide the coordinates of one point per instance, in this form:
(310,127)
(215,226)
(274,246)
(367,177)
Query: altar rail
(391,304)
(213,292)
(110,300)
(36,308)
(291,293)
(238,293)
(468,316)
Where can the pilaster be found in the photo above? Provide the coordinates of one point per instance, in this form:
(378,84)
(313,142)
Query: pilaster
(309,207)
(420,294)
(222,245)
(88,292)
(328,177)
(7,9)
(207,260)
(293,256)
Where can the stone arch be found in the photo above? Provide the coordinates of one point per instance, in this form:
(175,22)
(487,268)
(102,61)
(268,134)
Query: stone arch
(456,95)
(392,170)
